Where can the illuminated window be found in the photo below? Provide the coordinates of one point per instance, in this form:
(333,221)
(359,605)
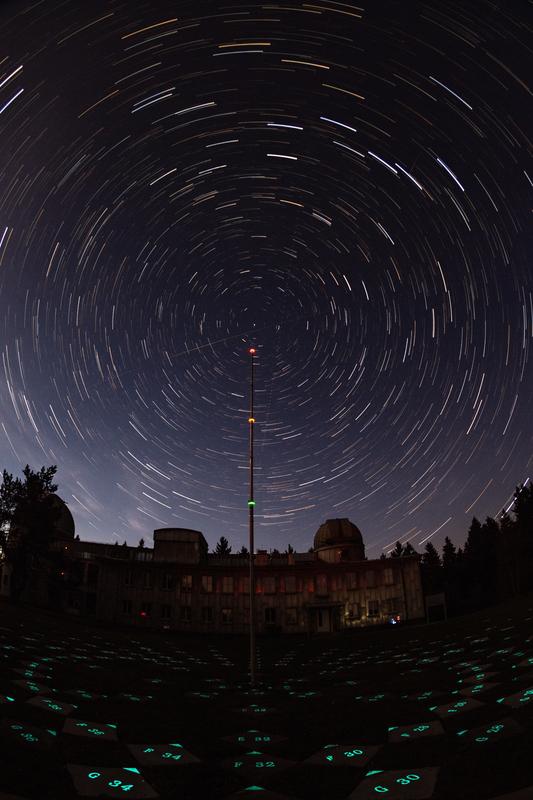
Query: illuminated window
(166,611)
(227,584)
(370,579)
(244,585)
(373,608)
(207,583)
(290,584)
(353,611)
(270,616)
(322,584)
(207,614)
(186,583)
(185,614)
(388,576)
(269,585)
(126,606)
(291,616)
(226,615)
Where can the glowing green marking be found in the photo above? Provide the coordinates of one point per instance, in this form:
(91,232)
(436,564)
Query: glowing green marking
(251,503)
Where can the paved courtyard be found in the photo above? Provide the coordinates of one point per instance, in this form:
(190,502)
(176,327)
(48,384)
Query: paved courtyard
(442,711)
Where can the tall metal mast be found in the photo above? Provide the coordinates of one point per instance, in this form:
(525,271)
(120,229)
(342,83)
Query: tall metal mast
(251,506)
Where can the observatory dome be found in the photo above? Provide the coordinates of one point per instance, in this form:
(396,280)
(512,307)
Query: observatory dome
(339,540)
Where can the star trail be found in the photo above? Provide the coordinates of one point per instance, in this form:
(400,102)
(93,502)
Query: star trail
(346,188)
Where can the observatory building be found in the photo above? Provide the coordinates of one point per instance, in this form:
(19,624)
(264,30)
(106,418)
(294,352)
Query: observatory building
(178,585)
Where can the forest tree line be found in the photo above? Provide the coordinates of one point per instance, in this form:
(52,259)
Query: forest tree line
(495,563)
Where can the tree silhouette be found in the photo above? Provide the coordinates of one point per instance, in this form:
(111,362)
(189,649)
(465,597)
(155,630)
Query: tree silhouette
(28,515)
(449,556)
(523,511)
(222,547)
(244,551)
(430,557)
(510,563)
(398,551)
(431,569)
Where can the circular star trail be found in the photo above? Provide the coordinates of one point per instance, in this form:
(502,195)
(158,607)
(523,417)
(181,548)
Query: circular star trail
(346,188)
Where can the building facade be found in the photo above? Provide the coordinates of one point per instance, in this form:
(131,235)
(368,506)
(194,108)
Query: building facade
(178,585)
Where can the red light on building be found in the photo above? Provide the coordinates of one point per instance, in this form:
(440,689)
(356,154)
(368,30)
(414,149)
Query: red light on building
(143,613)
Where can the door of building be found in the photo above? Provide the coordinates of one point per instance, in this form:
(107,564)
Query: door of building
(323,620)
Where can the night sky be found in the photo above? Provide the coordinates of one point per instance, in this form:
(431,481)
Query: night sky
(347,188)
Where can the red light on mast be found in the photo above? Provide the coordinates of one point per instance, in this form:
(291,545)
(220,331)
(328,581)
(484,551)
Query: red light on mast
(252,351)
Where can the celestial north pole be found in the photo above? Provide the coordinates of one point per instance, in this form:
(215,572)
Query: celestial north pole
(353,181)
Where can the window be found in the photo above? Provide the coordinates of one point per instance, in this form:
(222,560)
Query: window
(147,580)
(270,616)
(207,614)
(269,585)
(322,584)
(353,611)
(146,609)
(373,608)
(92,574)
(388,576)
(166,611)
(244,585)
(186,583)
(370,579)
(394,605)
(351,580)
(291,616)
(226,614)
(207,583)
(227,584)
(185,614)
(290,584)
(168,581)
(128,578)
(126,606)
